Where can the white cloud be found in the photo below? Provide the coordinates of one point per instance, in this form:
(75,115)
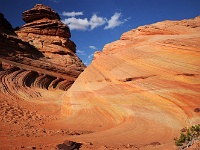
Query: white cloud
(84,24)
(92,23)
(96,21)
(77,24)
(80,52)
(114,21)
(92,47)
(90,56)
(71,14)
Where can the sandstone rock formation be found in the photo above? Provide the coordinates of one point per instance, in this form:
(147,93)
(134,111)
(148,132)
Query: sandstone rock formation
(39,54)
(140,89)
(39,12)
(138,93)
(48,34)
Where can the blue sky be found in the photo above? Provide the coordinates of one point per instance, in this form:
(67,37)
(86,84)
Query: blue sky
(94,23)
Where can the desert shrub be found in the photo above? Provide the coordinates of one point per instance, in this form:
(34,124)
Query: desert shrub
(178,142)
(188,135)
(181,140)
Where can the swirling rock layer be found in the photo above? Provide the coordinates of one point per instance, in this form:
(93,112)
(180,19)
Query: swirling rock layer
(141,89)
(137,94)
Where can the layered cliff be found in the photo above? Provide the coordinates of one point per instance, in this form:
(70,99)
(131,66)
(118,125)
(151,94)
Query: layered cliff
(142,88)
(49,35)
(39,54)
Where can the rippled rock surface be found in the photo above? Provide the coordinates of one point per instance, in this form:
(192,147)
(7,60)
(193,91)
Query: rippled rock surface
(141,89)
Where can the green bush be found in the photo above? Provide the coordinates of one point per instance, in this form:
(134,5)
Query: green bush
(191,133)
(178,143)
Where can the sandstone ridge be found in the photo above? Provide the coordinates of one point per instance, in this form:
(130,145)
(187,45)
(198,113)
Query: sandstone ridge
(140,89)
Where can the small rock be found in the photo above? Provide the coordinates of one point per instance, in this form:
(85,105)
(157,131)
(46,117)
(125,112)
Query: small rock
(197,110)
(155,143)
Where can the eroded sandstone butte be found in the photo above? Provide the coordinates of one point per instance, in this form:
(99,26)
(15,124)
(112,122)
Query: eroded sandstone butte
(140,89)
(40,53)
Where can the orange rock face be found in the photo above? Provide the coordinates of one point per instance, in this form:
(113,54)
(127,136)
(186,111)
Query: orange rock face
(142,88)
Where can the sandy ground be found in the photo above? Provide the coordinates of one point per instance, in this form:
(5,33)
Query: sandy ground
(34,125)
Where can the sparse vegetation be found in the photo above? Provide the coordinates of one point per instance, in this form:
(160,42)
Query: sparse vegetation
(188,136)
